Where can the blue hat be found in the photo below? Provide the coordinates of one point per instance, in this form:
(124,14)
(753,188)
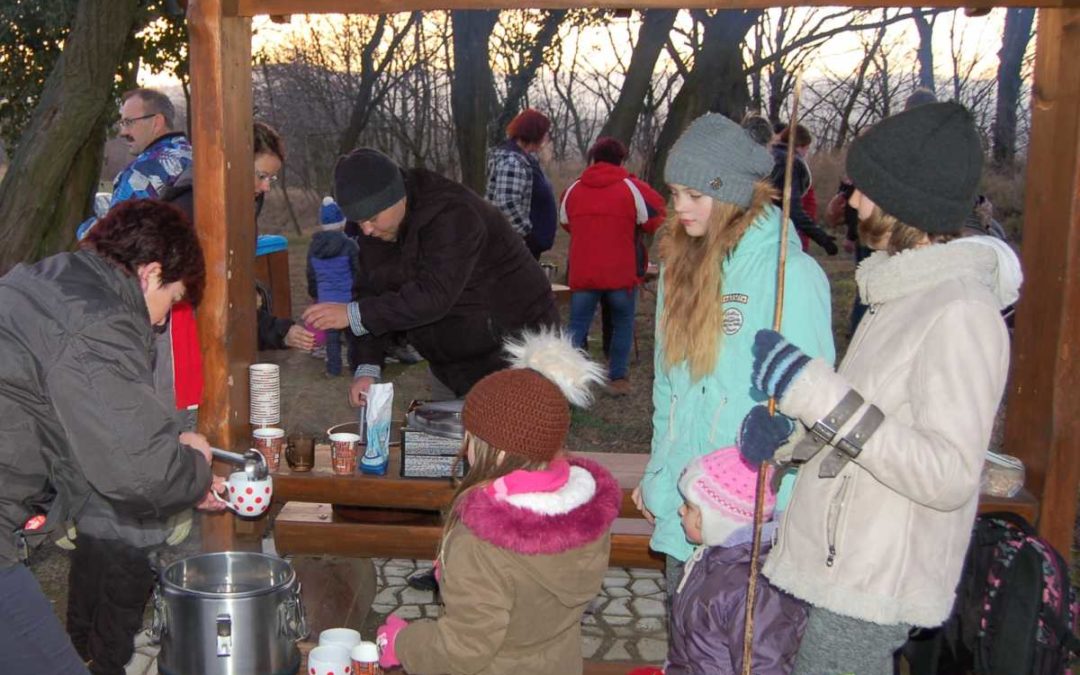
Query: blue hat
(330,215)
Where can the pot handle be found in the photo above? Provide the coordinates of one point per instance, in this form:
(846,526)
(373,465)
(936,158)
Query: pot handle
(293,621)
(158,626)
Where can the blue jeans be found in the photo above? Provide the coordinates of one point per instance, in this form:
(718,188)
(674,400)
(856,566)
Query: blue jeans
(333,352)
(31,637)
(622,303)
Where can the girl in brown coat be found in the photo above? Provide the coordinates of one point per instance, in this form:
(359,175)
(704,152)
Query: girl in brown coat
(527,539)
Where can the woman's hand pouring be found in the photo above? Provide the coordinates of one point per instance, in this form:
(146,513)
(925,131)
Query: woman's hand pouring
(208,502)
(197,442)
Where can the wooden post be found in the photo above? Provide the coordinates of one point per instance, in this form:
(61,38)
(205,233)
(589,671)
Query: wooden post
(1043,424)
(221,133)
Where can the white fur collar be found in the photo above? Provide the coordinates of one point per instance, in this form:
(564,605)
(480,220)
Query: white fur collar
(579,489)
(883,277)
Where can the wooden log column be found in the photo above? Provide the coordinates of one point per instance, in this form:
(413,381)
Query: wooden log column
(221,133)
(1043,425)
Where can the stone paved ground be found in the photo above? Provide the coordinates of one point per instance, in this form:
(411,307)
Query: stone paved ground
(624,623)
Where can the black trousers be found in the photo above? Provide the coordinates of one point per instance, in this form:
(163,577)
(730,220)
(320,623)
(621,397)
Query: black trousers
(108,586)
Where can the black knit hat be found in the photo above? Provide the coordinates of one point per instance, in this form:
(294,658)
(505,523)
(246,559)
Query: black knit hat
(922,166)
(367,182)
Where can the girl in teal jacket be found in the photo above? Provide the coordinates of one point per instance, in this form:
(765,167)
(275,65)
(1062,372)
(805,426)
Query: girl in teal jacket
(717,289)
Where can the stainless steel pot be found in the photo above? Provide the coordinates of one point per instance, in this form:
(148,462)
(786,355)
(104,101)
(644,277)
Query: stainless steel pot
(232,613)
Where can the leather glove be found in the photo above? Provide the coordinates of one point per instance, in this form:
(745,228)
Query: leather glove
(824,240)
(66,540)
(760,434)
(777,362)
(385,638)
(179,526)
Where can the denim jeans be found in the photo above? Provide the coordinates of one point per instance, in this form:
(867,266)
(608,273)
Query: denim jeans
(31,638)
(333,352)
(622,303)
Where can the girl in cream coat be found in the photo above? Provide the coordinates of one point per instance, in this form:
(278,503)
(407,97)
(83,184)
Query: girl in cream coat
(882,510)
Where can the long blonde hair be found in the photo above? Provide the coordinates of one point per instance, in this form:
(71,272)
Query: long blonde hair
(486,467)
(692,317)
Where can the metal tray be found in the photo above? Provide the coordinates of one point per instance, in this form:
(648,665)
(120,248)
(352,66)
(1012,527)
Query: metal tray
(440,418)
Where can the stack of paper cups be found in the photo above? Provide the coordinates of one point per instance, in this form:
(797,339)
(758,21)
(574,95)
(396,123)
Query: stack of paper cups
(265,381)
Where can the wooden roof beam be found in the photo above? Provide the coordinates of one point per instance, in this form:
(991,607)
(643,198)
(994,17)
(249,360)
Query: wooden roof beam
(278,7)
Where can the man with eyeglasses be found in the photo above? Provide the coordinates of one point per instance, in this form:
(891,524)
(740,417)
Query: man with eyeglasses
(146,124)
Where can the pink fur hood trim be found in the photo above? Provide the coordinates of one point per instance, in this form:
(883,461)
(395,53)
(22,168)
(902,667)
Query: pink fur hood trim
(531,532)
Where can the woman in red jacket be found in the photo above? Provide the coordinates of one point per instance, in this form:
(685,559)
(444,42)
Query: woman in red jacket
(606,211)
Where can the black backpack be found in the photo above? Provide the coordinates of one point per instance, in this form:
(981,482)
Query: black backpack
(1015,611)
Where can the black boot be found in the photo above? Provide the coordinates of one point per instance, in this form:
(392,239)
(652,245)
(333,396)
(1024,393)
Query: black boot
(423,581)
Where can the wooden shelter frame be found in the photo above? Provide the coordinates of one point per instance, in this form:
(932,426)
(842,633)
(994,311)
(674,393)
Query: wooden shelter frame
(1043,413)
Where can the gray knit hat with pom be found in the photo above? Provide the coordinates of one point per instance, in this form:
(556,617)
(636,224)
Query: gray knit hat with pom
(719,158)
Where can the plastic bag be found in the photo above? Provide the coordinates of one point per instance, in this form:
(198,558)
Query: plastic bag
(380,409)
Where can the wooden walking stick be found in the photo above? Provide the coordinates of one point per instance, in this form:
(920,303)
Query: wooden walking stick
(778,316)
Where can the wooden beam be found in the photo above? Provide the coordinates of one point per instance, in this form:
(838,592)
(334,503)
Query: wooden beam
(275,7)
(1043,424)
(221,133)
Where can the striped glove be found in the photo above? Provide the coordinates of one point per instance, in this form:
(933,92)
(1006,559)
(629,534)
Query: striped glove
(761,434)
(776,363)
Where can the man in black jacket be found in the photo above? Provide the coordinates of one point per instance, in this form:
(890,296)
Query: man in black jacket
(439,263)
(78,410)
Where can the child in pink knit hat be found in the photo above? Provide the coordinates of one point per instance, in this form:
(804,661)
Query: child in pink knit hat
(708,611)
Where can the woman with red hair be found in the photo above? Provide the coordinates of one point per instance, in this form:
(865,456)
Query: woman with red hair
(516,183)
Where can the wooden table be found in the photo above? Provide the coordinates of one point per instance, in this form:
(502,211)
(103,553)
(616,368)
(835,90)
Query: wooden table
(361,515)
(390,516)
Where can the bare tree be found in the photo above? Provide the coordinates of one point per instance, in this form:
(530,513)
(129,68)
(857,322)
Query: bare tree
(924,53)
(716,81)
(1014,44)
(47,187)
(655,28)
(472,94)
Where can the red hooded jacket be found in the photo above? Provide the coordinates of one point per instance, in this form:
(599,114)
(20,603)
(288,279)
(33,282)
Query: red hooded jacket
(603,215)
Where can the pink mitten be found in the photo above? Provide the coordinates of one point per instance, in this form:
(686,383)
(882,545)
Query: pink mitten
(385,637)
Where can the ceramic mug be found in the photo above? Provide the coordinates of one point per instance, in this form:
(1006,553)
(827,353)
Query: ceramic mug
(329,660)
(339,637)
(247,497)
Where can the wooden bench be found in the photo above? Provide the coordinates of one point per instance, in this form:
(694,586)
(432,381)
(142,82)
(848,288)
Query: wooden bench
(304,528)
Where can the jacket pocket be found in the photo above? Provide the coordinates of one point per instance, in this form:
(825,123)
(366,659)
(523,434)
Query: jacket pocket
(457,338)
(832,522)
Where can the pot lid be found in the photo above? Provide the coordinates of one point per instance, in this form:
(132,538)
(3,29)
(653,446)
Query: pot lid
(439,418)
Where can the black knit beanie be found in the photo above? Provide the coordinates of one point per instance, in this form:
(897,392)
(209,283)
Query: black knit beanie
(922,166)
(367,182)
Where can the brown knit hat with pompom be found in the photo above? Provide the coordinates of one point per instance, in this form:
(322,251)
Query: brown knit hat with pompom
(525,409)
(518,411)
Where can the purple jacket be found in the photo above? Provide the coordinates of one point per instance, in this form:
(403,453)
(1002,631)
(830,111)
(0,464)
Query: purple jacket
(707,618)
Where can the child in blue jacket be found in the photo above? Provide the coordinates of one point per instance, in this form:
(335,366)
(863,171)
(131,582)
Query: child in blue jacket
(333,261)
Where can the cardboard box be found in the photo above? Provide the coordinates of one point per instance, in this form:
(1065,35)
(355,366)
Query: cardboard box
(425,455)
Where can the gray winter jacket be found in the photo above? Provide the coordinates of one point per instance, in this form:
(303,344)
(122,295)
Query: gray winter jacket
(78,413)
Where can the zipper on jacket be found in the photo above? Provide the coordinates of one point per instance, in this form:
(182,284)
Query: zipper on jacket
(853,347)
(671,417)
(716,419)
(835,508)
